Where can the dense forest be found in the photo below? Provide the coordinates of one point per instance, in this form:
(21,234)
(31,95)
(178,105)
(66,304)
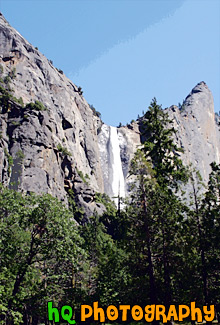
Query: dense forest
(154,248)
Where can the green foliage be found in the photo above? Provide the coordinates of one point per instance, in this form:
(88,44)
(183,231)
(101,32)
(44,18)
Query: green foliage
(116,223)
(63,150)
(105,200)
(156,211)
(85,178)
(5,99)
(39,248)
(7,79)
(20,155)
(165,239)
(140,254)
(205,227)
(12,73)
(20,101)
(160,148)
(10,160)
(77,212)
(107,272)
(37,106)
(15,123)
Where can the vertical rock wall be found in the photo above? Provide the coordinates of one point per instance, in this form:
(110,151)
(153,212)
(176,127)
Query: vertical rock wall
(197,129)
(58,146)
(65,146)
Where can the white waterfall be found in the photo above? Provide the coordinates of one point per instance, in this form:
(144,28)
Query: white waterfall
(114,182)
(116,176)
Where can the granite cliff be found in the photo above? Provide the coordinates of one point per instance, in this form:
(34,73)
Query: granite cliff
(198,129)
(52,141)
(59,145)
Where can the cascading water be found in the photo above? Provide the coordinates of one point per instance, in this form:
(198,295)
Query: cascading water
(116,176)
(114,182)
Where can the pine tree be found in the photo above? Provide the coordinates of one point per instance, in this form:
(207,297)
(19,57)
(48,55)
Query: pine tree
(203,234)
(210,229)
(160,148)
(142,228)
(159,211)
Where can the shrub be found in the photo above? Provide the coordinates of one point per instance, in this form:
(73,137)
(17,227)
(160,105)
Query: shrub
(7,80)
(80,91)
(15,123)
(20,101)
(107,202)
(19,154)
(37,106)
(84,178)
(10,160)
(12,73)
(63,150)
(4,99)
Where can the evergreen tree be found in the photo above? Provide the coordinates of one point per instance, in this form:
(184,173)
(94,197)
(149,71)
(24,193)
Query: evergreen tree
(210,232)
(160,148)
(197,231)
(107,264)
(142,229)
(159,211)
(203,238)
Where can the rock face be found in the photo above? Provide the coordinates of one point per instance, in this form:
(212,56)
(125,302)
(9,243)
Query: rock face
(43,137)
(198,131)
(61,144)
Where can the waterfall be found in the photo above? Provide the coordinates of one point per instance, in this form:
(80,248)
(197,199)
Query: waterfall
(114,182)
(116,176)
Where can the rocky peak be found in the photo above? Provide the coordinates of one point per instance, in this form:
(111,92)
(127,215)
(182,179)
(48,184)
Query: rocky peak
(197,131)
(199,102)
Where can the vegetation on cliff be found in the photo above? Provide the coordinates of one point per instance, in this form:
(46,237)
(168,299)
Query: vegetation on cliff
(155,250)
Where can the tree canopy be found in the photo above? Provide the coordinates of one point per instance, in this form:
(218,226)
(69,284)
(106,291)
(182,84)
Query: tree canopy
(141,254)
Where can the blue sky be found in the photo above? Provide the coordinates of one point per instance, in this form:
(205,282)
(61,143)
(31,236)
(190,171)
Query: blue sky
(125,52)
